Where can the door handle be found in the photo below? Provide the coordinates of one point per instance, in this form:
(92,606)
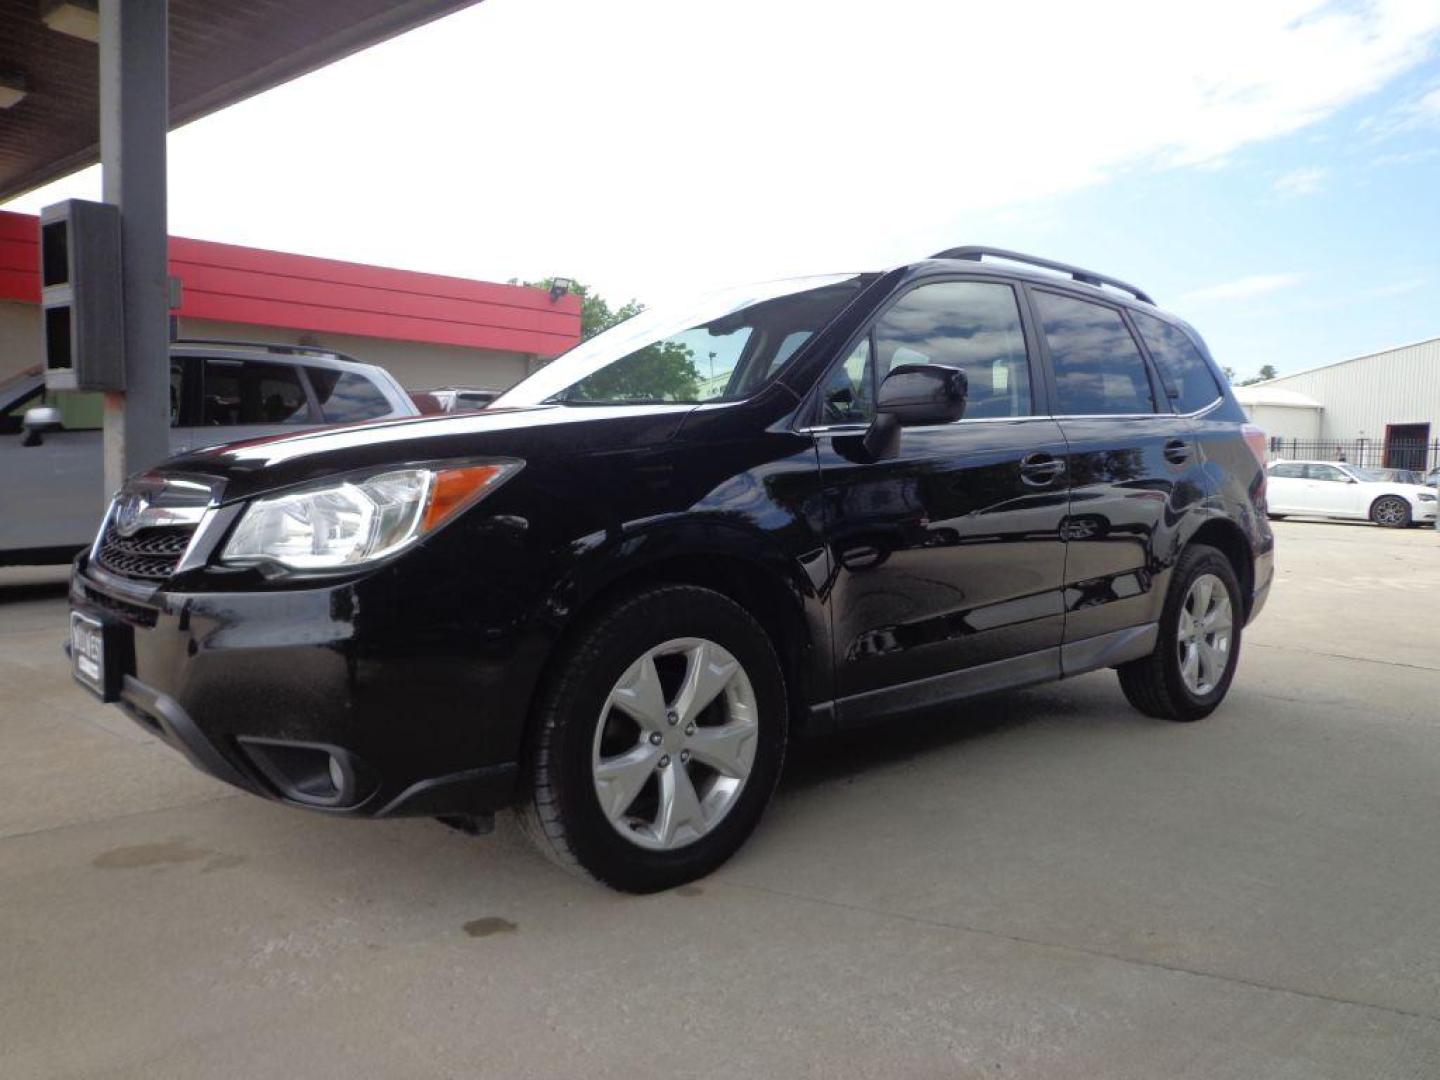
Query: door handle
(1040,468)
(861,557)
(1177,451)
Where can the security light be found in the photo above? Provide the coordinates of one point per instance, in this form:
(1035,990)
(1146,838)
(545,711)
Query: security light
(560,286)
(78,18)
(12,89)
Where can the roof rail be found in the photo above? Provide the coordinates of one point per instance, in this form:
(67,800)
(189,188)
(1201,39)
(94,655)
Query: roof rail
(269,346)
(974,252)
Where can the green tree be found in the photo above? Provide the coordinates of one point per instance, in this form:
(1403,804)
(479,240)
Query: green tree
(596,314)
(1265,374)
(664,371)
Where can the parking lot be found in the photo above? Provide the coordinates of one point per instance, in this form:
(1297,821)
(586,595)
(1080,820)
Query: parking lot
(1046,884)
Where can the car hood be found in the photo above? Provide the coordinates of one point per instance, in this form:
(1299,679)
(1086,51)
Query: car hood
(1393,486)
(546,431)
(1410,491)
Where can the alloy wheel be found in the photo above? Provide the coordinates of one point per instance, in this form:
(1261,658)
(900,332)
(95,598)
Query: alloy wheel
(675,743)
(1390,511)
(1203,638)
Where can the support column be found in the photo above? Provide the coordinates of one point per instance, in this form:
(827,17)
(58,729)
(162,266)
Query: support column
(134,117)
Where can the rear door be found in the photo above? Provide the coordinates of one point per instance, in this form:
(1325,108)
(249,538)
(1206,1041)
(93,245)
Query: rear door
(948,557)
(1131,464)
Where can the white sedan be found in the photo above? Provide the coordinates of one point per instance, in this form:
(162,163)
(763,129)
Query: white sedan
(1335,489)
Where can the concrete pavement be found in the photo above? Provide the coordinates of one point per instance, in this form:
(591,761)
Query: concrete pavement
(1040,885)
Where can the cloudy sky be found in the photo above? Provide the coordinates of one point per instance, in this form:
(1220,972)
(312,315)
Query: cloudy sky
(1269,169)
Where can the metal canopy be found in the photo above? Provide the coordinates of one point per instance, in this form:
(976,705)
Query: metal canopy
(220,53)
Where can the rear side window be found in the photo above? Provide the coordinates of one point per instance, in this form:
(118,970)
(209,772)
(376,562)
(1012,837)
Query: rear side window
(1289,471)
(1098,367)
(974,325)
(1180,363)
(242,392)
(346,397)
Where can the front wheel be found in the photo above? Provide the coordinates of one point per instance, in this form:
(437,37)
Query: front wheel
(1189,673)
(659,742)
(1391,512)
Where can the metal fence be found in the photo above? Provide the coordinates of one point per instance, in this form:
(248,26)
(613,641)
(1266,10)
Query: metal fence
(1395,454)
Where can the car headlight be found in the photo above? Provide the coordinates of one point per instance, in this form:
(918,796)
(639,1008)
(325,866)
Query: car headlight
(359,519)
(1426,496)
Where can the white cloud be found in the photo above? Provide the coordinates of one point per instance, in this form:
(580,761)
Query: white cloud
(1409,157)
(1421,111)
(648,146)
(1301,181)
(1245,288)
(1396,288)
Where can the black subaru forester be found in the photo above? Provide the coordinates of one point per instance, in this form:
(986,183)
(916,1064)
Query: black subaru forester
(611,598)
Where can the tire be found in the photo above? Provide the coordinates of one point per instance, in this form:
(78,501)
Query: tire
(1161,685)
(726,755)
(1390,512)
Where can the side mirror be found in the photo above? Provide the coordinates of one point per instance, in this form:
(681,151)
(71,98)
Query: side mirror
(38,422)
(912,395)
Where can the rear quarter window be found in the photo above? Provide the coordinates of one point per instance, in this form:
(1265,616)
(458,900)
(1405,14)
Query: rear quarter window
(1181,366)
(346,397)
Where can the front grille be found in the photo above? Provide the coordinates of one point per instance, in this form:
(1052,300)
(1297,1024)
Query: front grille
(150,555)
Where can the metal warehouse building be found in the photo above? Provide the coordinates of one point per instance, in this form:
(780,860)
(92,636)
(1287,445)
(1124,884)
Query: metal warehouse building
(1378,409)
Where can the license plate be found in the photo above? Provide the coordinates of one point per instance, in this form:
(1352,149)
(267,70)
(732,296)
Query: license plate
(87,652)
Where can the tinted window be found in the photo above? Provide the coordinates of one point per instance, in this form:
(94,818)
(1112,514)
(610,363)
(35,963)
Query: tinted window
(1098,367)
(242,392)
(1325,472)
(849,393)
(973,325)
(346,397)
(1180,363)
(1290,471)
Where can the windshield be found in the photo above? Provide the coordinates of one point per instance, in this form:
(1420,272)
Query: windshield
(719,347)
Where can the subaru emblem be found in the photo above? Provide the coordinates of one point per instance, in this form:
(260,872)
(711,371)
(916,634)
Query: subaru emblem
(129,511)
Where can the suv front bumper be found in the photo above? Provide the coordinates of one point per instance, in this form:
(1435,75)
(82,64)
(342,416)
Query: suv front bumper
(291,696)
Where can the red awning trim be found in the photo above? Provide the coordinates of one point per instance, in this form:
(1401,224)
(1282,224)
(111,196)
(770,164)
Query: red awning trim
(229,283)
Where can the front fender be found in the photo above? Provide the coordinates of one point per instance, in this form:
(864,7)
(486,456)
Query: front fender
(782,585)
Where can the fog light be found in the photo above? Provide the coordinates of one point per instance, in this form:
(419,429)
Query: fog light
(316,774)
